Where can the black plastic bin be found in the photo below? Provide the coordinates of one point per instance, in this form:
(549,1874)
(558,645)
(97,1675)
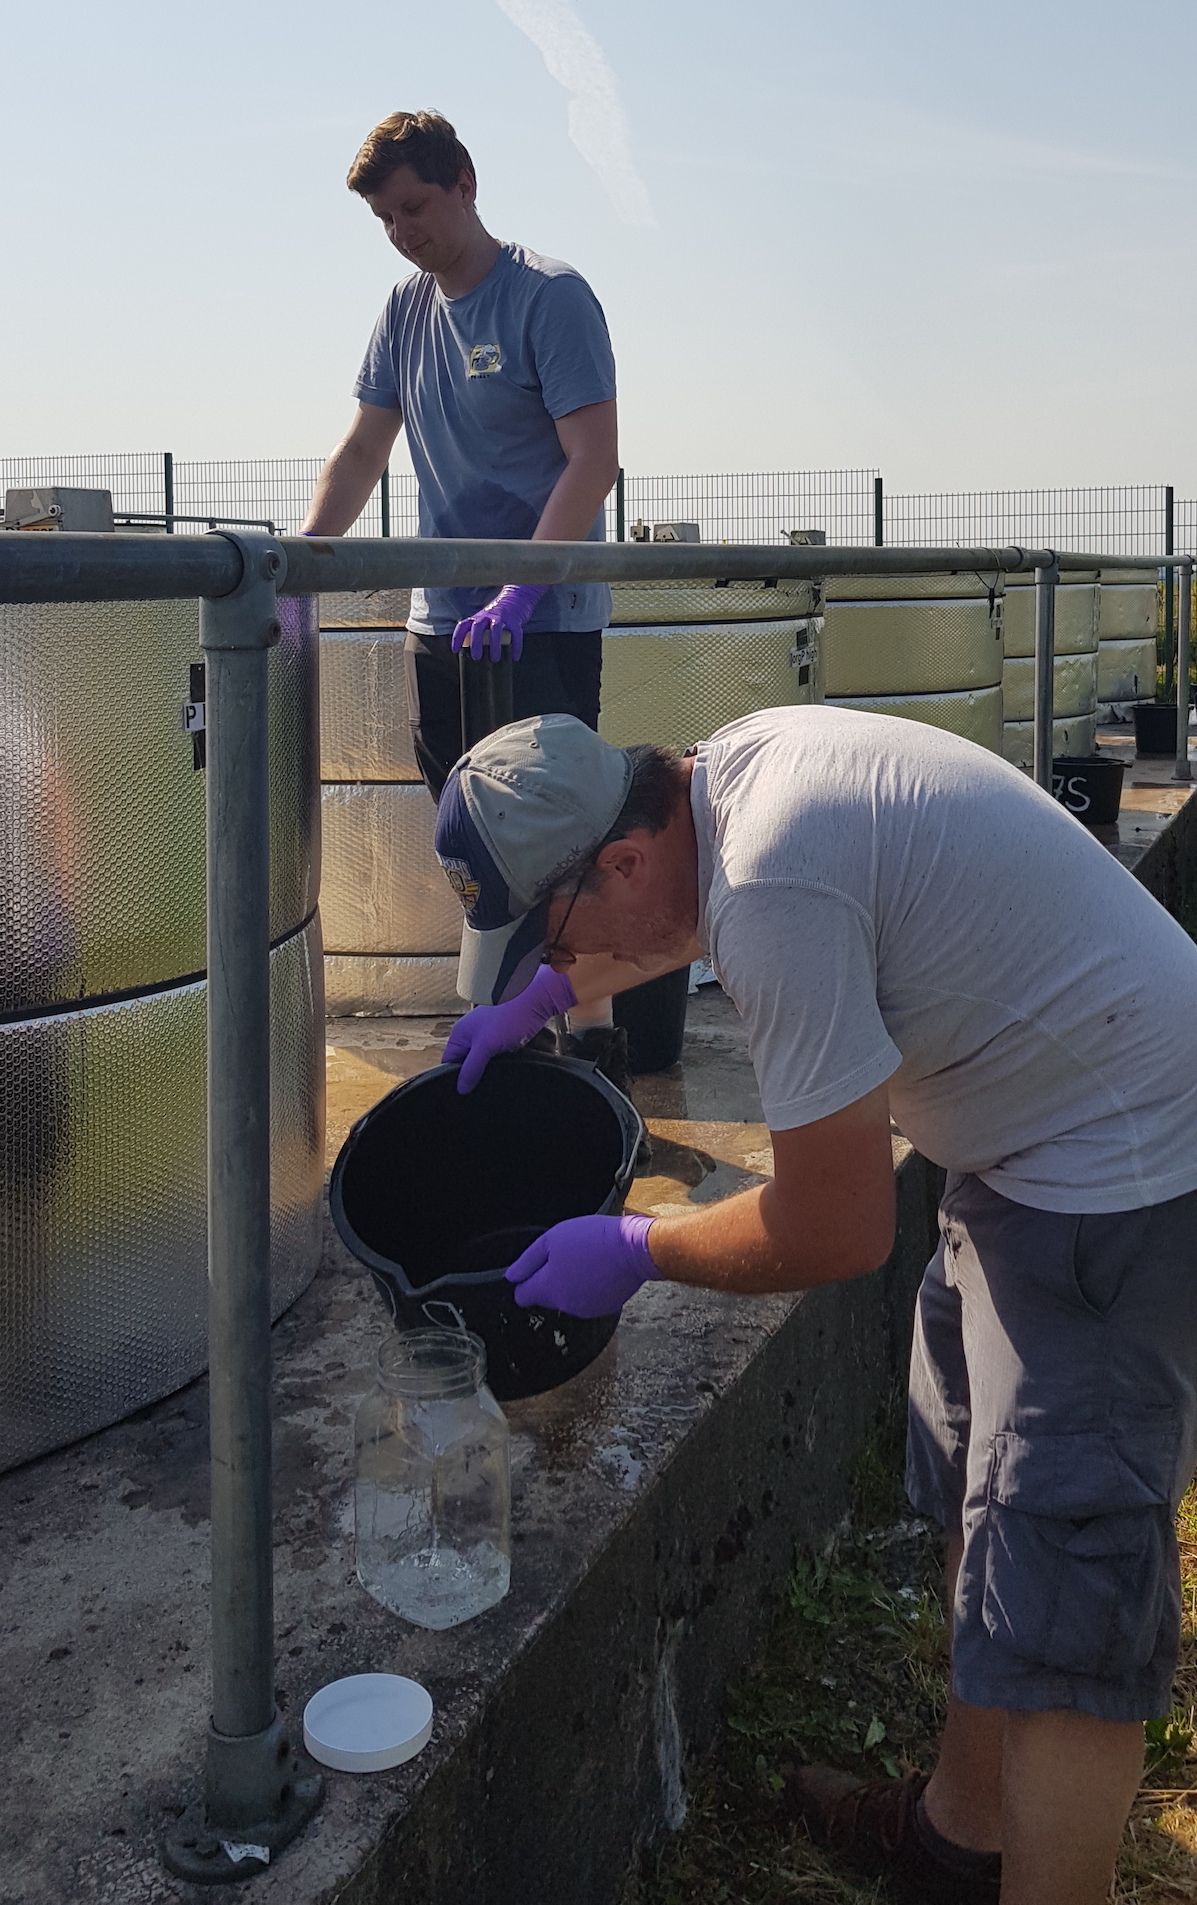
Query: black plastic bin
(654,1015)
(437,1193)
(1155,727)
(1090,786)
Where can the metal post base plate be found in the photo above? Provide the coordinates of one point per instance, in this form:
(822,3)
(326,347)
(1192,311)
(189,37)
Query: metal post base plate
(217,1841)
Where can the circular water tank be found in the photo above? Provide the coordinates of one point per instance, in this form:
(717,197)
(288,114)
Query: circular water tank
(677,685)
(675,604)
(103,1221)
(925,648)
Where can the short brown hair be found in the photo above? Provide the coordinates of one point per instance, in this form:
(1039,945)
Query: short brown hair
(424,140)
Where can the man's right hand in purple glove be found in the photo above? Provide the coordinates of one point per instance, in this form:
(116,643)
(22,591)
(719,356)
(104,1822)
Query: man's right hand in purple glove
(586,1266)
(490,1029)
(482,634)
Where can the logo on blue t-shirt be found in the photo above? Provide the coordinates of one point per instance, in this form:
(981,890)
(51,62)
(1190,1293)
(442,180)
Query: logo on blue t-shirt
(485,360)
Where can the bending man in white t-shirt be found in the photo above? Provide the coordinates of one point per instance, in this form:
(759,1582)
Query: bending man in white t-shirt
(907,925)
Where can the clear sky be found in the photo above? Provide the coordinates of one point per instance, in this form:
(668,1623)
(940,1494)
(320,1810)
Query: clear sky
(954,242)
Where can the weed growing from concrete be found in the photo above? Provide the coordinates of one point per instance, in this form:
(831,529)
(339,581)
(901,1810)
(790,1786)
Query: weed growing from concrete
(855,1672)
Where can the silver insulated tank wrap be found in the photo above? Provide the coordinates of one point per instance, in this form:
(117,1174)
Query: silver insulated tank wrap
(675,686)
(383,889)
(1074,669)
(103,1273)
(101,811)
(682,659)
(392,927)
(365,733)
(1128,615)
(923,648)
(103,1222)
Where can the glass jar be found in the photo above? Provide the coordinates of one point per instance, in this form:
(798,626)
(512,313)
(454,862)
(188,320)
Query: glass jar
(432,1481)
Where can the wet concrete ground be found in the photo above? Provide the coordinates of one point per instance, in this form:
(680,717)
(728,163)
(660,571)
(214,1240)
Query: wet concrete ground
(704,1114)
(1150,795)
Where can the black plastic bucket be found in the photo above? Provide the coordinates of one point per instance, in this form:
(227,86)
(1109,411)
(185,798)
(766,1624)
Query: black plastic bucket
(654,1015)
(1155,727)
(1090,786)
(437,1193)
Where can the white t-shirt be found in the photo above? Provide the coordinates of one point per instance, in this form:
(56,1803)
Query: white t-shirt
(882,900)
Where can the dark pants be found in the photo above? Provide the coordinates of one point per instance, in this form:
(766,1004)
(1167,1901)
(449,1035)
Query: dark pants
(556,674)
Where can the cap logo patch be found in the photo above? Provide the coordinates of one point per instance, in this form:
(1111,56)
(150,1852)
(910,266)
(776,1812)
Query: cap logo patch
(461,879)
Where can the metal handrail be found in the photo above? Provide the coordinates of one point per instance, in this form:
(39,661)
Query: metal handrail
(73,566)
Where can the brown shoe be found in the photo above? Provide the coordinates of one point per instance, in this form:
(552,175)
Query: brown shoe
(874,1826)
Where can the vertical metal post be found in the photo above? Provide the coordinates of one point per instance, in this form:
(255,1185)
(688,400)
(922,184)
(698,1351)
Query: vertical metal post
(168,491)
(878,512)
(384,498)
(1169,587)
(252,1793)
(621,507)
(1184,642)
(1045,670)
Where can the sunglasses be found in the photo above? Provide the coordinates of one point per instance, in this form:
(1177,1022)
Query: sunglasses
(547,956)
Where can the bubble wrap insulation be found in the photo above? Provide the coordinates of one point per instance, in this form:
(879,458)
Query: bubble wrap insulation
(677,685)
(103,1228)
(1074,686)
(1076,615)
(933,646)
(383,888)
(1126,670)
(371,608)
(373,986)
(101,811)
(1075,736)
(977,715)
(365,730)
(675,604)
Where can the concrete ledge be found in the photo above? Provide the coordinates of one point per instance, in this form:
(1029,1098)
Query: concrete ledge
(659,1499)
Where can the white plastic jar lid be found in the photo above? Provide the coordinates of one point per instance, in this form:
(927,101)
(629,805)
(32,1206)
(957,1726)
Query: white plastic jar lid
(367,1722)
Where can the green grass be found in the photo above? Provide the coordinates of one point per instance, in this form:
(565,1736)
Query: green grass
(854,1673)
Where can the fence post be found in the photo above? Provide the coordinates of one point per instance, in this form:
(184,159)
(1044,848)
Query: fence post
(878,511)
(1184,645)
(1169,590)
(168,491)
(384,497)
(621,508)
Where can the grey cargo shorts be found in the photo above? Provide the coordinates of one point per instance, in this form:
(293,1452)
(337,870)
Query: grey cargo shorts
(1053,1417)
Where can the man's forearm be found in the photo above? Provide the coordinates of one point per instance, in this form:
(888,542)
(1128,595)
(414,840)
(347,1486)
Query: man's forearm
(342,491)
(756,1244)
(575,500)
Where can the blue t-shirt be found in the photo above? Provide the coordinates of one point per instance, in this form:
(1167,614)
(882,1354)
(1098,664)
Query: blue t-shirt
(480,380)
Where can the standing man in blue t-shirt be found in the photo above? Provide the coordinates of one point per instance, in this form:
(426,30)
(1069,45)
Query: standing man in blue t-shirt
(498,363)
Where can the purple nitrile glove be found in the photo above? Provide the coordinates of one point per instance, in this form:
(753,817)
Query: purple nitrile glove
(510,609)
(587,1266)
(490,1029)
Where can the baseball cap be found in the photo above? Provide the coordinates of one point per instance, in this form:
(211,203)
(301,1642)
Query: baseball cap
(520,812)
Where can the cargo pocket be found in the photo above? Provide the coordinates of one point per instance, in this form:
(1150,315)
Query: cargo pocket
(1080,1547)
